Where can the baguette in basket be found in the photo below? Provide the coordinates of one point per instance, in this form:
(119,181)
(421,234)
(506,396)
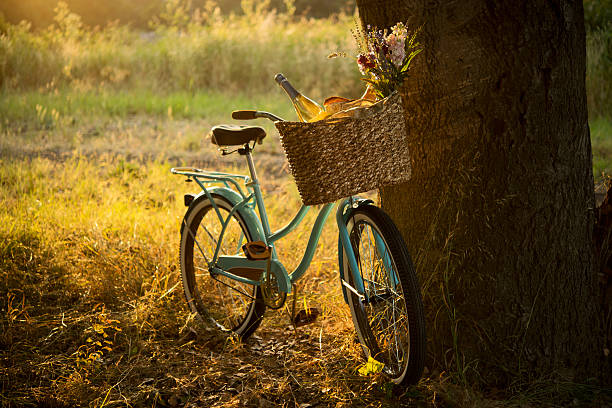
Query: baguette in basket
(338,107)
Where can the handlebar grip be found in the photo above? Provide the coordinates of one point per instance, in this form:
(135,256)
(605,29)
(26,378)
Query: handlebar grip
(244,114)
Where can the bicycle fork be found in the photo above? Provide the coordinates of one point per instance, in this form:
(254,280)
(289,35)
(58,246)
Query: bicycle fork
(343,214)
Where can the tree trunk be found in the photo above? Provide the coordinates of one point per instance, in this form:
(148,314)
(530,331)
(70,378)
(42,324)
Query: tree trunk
(499,212)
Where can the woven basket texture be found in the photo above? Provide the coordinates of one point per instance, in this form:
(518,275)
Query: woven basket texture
(337,158)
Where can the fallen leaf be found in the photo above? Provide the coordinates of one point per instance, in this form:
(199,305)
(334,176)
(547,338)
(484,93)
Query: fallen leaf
(373,366)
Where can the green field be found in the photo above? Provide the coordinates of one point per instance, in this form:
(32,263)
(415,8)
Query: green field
(92,312)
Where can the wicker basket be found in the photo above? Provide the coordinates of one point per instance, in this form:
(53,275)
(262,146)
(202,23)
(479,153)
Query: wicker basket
(336,158)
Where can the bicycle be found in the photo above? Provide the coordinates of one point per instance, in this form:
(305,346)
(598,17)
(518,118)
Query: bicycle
(231,272)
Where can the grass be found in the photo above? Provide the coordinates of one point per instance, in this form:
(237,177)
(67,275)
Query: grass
(19,108)
(92,307)
(133,124)
(601,140)
(61,120)
(599,72)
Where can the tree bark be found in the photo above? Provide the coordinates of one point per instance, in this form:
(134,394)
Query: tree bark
(499,212)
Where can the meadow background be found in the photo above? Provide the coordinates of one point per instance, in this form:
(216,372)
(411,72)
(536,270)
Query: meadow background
(97,102)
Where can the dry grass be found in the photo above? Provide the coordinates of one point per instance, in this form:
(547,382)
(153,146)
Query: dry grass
(92,311)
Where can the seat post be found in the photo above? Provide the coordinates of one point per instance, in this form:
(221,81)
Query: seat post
(249,159)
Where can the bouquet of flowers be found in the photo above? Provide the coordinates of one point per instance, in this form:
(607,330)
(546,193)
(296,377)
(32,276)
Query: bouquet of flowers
(385,57)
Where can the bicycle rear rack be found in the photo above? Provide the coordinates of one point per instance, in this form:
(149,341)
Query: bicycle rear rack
(204,177)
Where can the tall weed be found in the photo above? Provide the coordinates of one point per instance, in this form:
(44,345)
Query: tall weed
(203,50)
(599,72)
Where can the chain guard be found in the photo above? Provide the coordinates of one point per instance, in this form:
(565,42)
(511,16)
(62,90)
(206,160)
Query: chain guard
(272,297)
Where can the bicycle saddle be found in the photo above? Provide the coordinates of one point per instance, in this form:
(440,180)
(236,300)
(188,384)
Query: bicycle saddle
(236,135)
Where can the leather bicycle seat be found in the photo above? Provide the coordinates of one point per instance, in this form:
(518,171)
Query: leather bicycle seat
(236,135)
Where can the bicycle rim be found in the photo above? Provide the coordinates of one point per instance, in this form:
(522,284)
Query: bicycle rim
(228,304)
(389,321)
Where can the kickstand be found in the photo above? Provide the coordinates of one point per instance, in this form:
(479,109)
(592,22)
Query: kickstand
(303,317)
(294,289)
(293,303)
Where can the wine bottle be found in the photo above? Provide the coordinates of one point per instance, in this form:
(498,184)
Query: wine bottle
(306,108)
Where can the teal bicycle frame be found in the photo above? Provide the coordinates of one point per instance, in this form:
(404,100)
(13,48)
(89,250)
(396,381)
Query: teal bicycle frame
(244,202)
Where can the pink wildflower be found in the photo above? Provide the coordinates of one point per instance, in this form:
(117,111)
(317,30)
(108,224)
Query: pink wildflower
(397,48)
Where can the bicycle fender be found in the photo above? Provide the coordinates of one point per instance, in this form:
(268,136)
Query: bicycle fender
(247,214)
(341,269)
(253,223)
(360,203)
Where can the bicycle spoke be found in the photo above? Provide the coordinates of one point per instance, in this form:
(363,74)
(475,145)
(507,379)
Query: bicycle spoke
(214,240)
(219,298)
(397,358)
(383,308)
(197,243)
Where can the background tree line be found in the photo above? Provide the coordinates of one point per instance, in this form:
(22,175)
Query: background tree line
(138,13)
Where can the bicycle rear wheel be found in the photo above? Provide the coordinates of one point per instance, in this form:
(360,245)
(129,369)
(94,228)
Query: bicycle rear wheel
(226,303)
(389,318)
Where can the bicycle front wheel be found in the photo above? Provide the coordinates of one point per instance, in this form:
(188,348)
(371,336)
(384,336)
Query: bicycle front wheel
(226,303)
(389,316)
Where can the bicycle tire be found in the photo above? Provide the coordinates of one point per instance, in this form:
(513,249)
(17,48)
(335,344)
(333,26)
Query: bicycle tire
(403,362)
(210,298)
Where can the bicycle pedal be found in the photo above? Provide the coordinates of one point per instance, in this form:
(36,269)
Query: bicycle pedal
(256,250)
(305,316)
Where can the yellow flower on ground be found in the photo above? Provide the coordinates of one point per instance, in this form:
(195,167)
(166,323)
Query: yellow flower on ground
(373,366)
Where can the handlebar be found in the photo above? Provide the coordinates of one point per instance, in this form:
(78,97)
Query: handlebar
(244,114)
(253,114)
